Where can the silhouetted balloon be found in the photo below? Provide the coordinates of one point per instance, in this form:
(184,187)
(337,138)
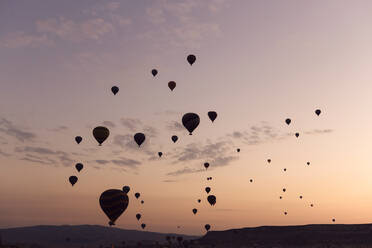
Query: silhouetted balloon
(101,134)
(206,165)
(194,210)
(300,196)
(211,199)
(174,138)
(297,134)
(137,195)
(172,85)
(308,163)
(207,189)
(154,72)
(160,154)
(126,189)
(190,121)
(333,220)
(78,139)
(115,90)
(212,115)
(138,216)
(113,203)
(199,200)
(238,150)
(280,197)
(285,213)
(284,190)
(288,121)
(191,59)
(285,169)
(143,225)
(73,180)
(207,227)
(139,138)
(269,160)
(311,205)
(79,166)
(142,202)
(251,180)
(317,112)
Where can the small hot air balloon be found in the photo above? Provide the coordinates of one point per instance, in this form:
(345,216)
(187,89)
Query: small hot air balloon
(191,59)
(297,134)
(126,189)
(78,139)
(251,180)
(190,121)
(288,121)
(139,138)
(194,210)
(285,213)
(138,216)
(143,225)
(269,161)
(308,163)
(300,196)
(311,205)
(317,112)
(154,72)
(333,220)
(174,138)
(142,202)
(101,134)
(285,169)
(280,197)
(113,203)
(172,85)
(73,180)
(206,165)
(137,195)
(207,227)
(115,90)
(79,167)
(199,200)
(160,154)
(238,150)
(211,199)
(212,115)
(207,189)
(284,190)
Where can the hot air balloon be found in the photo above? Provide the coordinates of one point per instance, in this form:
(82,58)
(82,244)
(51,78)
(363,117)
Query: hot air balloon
(73,180)
(285,213)
(126,189)
(297,134)
(142,202)
(212,115)
(207,227)
(300,196)
(285,169)
(172,85)
(138,216)
(333,220)
(143,225)
(280,197)
(269,161)
(190,121)
(160,154)
(139,138)
(251,180)
(311,205)
(115,90)
(174,138)
(101,134)
(238,150)
(206,165)
(211,199)
(137,195)
(199,200)
(154,72)
(308,163)
(79,167)
(113,203)
(78,139)
(284,190)
(317,112)
(191,59)
(288,121)
(194,210)
(207,189)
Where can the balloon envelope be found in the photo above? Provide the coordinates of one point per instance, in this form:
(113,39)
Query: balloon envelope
(126,189)
(79,166)
(139,138)
(113,203)
(288,121)
(115,90)
(317,112)
(194,210)
(190,121)
(207,227)
(160,154)
(297,134)
(73,180)
(206,165)
(212,115)
(78,139)
(172,85)
(143,225)
(154,72)
(137,195)
(138,216)
(211,199)
(174,138)
(191,59)
(101,134)
(207,189)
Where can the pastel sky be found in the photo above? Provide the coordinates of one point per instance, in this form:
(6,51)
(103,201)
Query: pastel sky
(258,63)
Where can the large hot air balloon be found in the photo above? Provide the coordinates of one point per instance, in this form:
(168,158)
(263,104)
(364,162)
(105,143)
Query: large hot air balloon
(143,225)
(101,134)
(79,167)
(154,72)
(73,180)
(207,189)
(172,85)
(317,112)
(211,199)
(190,121)
(207,227)
(288,121)
(160,154)
(206,165)
(138,216)
(194,210)
(113,203)
(137,195)
(126,189)
(191,59)
(115,90)
(139,138)
(78,139)
(174,138)
(212,115)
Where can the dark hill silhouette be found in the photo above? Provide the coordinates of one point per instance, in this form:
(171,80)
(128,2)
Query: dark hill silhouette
(78,236)
(333,235)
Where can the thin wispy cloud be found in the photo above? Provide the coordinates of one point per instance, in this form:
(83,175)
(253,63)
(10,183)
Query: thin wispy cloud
(8,128)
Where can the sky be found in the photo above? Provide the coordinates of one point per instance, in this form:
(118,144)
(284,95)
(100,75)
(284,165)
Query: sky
(257,63)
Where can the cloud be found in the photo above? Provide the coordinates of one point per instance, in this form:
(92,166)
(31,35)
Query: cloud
(99,161)
(185,170)
(131,124)
(124,141)
(109,124)
(257,134)
(126,162)
(5,154)
(59,129)
(169,181)
(175,126)
(21,39)
(8,128)
(319,131)
(45,154)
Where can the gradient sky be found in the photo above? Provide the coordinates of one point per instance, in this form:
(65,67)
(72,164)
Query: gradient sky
(258,62)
